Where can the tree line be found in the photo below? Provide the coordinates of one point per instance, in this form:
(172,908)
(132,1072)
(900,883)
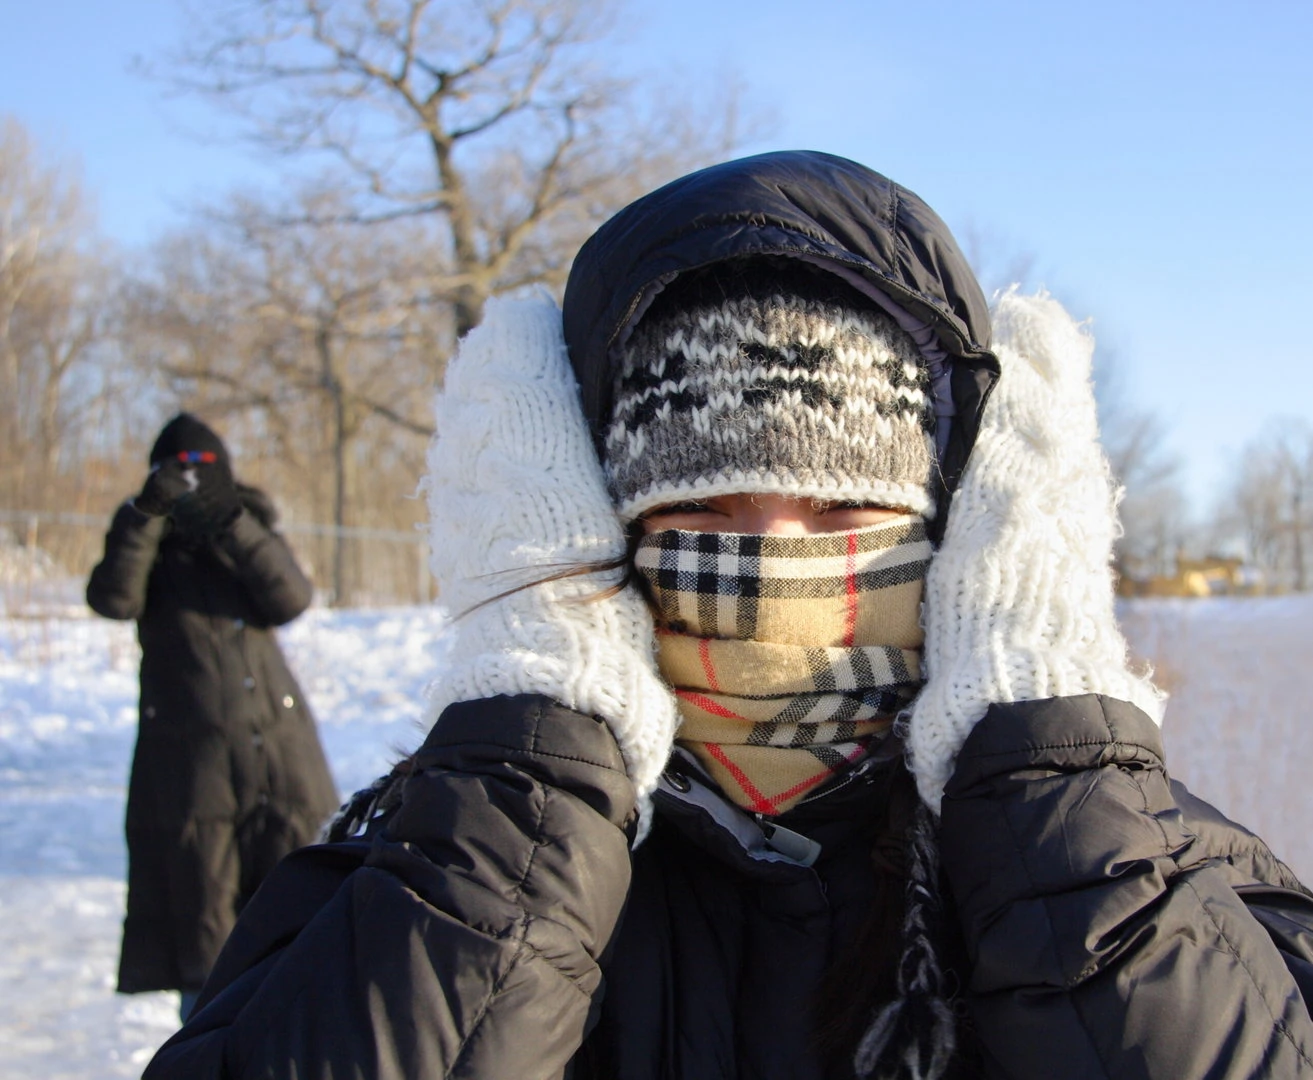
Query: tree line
(440,152)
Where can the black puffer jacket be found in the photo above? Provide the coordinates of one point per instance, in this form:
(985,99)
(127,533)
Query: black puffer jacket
(1114,927)
(228,775)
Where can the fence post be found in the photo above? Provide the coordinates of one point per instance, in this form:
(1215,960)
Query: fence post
(424,582)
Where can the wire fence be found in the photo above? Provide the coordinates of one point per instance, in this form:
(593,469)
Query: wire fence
(46,556)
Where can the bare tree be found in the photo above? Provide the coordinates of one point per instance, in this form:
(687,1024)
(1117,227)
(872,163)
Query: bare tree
(997,263)
(309,336)
(1158,523)
(55,288)
(444,151)
(1270,507)
(491,126)
(1155,515)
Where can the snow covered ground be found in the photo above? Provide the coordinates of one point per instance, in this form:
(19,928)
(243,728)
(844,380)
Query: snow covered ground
(1241,672)
(68,705)
(1239,723)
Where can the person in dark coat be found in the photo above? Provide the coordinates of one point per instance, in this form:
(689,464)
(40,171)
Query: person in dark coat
(788,733)
(228,775)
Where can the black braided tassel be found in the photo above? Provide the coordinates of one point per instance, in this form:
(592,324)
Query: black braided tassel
(914,1036)
(357,811)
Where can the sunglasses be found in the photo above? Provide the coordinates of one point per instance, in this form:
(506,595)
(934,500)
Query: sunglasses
(190,457)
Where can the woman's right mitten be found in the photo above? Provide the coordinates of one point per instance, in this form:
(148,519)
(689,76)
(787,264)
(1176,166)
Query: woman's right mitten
(516,494)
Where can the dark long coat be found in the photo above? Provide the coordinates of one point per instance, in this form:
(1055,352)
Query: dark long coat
(228,774)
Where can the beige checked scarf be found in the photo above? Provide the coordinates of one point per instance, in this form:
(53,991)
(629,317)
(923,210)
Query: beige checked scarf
(789,655)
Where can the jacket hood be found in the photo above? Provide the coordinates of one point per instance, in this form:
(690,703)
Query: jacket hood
(186,432)
(822,209)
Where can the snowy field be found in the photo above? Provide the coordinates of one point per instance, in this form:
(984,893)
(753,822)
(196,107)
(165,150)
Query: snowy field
(1241,673)
(68,710)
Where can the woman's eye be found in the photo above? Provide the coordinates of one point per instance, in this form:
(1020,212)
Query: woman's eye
(680,508)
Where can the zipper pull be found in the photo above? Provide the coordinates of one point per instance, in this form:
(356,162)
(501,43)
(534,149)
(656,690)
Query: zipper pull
(791,845)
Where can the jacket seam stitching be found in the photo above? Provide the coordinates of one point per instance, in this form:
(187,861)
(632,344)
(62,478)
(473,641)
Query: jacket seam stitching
(982,754)
(1277,1023)
(522,926)
(1140,786)
(1057,956)
(538,954)
(539,841)
(536,840)
(900,241)
(527,751)
(486,1007)
(1053,939)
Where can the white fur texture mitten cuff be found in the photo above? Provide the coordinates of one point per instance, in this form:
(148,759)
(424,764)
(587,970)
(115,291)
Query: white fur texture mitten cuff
(1019,598)
(515,494)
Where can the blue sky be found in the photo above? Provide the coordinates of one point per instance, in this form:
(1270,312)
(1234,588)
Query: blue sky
(1153,159)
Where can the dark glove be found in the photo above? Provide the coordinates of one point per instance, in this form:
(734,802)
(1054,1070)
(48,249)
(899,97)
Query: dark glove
(212,506)
(167,483)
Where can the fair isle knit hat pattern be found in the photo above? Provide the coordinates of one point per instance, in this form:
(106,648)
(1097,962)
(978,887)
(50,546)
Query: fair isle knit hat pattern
(769,393)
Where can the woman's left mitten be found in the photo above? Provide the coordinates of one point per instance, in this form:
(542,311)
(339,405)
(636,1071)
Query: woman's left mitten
(1019,597)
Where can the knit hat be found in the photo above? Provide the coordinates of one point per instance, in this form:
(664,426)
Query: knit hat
(768,381)
(187,432)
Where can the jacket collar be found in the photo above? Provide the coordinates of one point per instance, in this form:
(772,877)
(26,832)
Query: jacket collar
(688,800)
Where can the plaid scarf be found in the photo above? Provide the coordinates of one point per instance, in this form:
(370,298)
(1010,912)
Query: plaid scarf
(788,655)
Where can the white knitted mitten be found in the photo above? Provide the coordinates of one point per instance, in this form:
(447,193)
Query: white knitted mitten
(1019,598)
(516,493)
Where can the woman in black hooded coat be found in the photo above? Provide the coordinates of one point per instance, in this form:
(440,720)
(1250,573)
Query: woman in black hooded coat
(228,775)
(1003,881)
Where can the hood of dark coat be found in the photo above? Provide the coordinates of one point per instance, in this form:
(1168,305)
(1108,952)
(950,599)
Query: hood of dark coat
(186,432)
(816,207)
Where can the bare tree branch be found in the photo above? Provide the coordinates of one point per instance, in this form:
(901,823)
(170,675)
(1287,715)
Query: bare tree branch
(467,147)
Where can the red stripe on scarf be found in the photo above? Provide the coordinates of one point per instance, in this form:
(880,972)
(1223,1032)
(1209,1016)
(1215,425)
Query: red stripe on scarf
(704,653)
(760,803)
(824,774)
(850,615)
(707,705)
